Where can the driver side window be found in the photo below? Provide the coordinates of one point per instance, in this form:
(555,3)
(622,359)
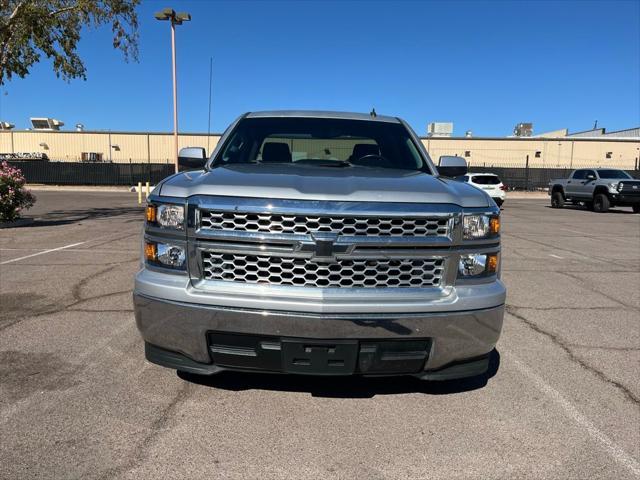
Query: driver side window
(236,146)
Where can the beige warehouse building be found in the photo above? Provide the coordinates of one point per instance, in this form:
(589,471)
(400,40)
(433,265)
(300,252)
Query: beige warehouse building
(559,150)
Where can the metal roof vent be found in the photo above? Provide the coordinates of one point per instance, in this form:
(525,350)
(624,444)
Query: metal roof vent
(523,129)
(440,129)
(42,123)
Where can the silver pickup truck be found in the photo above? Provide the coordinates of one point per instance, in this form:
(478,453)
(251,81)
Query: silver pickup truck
(320,243)
(597,188)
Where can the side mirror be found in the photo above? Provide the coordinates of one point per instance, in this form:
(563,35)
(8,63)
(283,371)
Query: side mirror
(191,158)
(449,166)
(591,177)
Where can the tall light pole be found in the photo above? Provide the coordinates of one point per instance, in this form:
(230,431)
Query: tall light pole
(176,19)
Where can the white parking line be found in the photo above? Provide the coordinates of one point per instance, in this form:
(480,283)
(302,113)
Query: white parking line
(616,452)
(41,253)
(79,250)
(556,256)
(572,231)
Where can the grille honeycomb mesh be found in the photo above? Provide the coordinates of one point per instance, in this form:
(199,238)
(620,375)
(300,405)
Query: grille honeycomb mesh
(305,272)
(304,224)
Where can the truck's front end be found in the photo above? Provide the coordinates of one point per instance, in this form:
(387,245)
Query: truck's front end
(297,260)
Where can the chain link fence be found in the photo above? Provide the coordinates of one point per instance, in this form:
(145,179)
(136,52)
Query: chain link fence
(523,178)
(93,173)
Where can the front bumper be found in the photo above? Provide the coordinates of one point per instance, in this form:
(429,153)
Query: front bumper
(626,199)
(179,335)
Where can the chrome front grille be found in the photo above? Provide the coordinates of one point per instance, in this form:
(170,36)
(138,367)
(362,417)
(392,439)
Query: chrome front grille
(342,225)
(339,273)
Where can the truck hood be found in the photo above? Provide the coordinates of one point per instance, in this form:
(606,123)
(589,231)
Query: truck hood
(308,182)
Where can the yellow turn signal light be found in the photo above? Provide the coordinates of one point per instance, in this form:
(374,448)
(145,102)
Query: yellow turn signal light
(150,251)
(494,225)
(492,262)
(151,213)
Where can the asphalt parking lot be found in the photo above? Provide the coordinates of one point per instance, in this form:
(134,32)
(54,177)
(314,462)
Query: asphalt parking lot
(78,400)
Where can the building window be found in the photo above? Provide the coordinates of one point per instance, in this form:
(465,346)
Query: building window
(91,157)
(467,153)
(609,154)
(538,154)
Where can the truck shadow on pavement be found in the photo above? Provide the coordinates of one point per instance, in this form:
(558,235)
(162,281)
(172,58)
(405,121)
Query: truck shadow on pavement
(585,209)
(65,217)
(342,387)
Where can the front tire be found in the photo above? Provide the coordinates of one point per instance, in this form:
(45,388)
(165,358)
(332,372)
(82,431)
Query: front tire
(601,203)
(557,200)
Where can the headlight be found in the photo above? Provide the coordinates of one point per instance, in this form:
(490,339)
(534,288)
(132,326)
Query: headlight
(614,186)
(165,255)
(477,264)
(166,216)
(476,227)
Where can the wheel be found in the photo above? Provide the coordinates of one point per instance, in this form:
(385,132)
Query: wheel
(557,200)
(498,201)
(601,203)
(636,208)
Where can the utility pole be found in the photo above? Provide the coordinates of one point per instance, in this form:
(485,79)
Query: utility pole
(209,114)
(176,19)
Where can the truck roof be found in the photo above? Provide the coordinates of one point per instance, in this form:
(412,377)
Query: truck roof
(322,114)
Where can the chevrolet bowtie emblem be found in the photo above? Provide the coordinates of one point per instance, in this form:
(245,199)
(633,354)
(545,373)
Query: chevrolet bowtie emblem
(324,247)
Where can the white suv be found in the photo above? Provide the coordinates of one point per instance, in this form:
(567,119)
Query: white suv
(488,182)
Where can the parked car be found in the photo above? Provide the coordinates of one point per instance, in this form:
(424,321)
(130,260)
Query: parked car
(320,243)
(490,183)
(597,188)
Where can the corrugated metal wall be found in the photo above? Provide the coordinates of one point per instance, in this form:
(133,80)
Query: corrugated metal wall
(158,147)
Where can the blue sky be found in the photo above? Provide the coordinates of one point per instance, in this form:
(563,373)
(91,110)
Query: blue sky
(483,65)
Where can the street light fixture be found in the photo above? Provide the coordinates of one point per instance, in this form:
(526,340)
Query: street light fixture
(176,19)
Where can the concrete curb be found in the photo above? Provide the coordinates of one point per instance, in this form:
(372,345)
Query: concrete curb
(79,188)
(134,189)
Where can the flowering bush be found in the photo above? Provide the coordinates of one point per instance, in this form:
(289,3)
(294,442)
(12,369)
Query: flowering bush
(13,196)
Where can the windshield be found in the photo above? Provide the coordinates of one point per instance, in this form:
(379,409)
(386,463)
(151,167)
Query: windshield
(321,142)
(613,174)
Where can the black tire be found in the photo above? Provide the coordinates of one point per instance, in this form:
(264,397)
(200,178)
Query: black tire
(601,203)
(557,200)
(498,201)
(636,208)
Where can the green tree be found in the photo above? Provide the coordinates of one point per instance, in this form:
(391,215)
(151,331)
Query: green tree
(32,28)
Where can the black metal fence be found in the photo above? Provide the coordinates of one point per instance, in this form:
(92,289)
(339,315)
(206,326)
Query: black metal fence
(78,173)
(523,178)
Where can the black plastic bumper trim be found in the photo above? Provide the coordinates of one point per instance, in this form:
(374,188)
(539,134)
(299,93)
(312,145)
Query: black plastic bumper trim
(178,361)
(457,370)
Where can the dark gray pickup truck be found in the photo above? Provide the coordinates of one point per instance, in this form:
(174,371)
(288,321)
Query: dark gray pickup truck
(597,188)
